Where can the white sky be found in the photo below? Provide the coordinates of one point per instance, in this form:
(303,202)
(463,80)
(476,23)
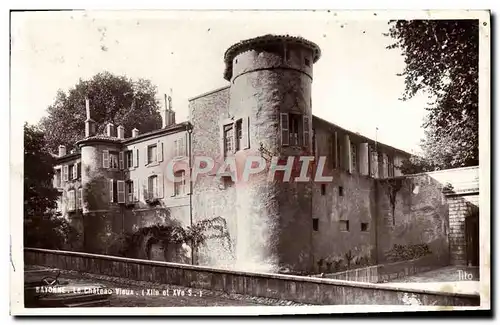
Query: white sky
(355,83)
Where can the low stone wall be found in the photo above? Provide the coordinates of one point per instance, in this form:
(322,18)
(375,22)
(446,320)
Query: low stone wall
(287,287)
(389,271)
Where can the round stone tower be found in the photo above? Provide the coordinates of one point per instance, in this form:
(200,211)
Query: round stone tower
(271,79)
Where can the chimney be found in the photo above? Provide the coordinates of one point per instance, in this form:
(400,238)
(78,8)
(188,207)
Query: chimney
(135,133)
(167,114)
(121,132)
(110,130)
(62,151)
(90,129)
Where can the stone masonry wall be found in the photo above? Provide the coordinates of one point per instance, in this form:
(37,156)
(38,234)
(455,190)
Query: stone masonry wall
(211,197)
(412,210)
(272,216)
(459,205)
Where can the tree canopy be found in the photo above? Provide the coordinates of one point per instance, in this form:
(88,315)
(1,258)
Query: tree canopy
(43,227)
(112,98)
(39,194)
(442,58)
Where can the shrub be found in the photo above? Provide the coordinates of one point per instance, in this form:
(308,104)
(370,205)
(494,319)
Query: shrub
(407,252)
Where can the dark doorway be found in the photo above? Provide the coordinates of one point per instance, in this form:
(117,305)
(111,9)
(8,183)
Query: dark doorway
(472,235)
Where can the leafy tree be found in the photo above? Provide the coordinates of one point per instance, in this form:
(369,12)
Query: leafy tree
(441,58)
(39,194)
(42,226)
(112,98)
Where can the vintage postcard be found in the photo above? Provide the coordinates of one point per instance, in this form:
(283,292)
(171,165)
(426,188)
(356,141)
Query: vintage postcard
(275,162)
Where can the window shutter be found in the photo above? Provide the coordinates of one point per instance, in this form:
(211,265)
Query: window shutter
(105,159)
(79,170)
(78,198)
(233,138)
(159,151)
(183,147)
(111,190)
(146,155)
(81,197)
(347,154)
(121,161)
(74,171)
(71,200)
(136,157)
(245,132)
(160,185)
(154,192)
(285,133)
(121,191)
(335,151)
(305,128)
(145,189)
(135,188)
(65,172)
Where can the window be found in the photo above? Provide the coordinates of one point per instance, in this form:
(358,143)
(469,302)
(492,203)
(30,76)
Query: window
(235,136)
(315,224)
(341,191)
(71,170)
(120,186)
(228,139)
(307,62)
(130,192)
(293,127)
(113,160)
(180,184)
(354,157)
(71,200)
(65,173)
(136,158)
(74,171)
(344,225)
(364,226)
(152,186)
(57,178)
(152,153)
(112,190)
(340,148)
(380,165)
(390,166)
(334,148)
(180,147)
(239,135)
(80,198)
(129,159)
(323,189)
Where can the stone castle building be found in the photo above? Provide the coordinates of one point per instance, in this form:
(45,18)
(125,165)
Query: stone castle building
(266,110)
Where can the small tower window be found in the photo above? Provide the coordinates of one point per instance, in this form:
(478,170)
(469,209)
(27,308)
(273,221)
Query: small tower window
(344,225)
(364,226)
(323,189)
(315,224)
(307,62)
(341,191)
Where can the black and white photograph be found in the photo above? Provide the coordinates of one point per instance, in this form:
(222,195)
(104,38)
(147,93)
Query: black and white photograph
(282,162)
